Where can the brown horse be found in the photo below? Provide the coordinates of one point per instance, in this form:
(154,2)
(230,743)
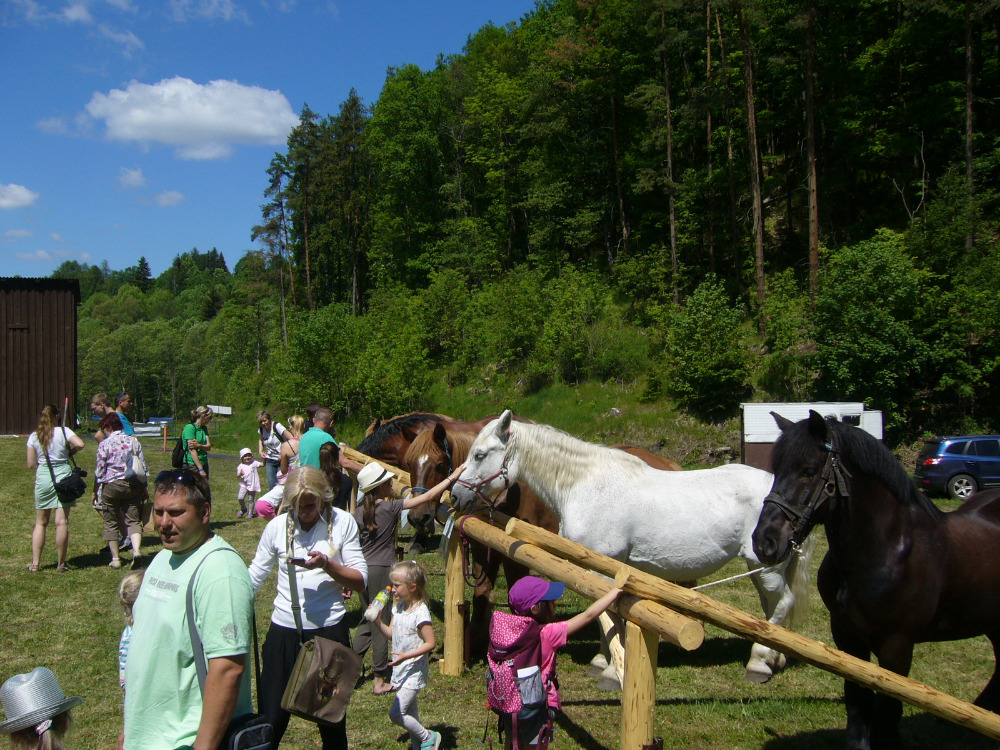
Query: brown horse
(899,570)
(433,455)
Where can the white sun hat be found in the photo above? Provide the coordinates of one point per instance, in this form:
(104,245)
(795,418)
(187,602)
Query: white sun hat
(31,698)
(372,475)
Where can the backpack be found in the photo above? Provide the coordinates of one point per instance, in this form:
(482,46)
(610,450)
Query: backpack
(514,683)
(177,456)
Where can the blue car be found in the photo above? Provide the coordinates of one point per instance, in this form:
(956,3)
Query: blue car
(959,466)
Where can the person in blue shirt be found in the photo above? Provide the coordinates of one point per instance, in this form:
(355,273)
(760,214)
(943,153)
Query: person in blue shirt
(125,404)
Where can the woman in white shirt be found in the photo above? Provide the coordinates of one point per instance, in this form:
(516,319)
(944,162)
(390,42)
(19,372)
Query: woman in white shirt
(59,444)
(323,545)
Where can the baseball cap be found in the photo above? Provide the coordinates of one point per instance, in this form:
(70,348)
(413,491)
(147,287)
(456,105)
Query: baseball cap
(530,590)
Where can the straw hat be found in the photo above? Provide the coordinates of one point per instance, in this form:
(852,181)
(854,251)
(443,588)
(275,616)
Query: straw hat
(371,476)
(32,698)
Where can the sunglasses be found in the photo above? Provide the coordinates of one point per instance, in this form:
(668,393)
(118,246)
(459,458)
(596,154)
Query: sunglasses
(170,476)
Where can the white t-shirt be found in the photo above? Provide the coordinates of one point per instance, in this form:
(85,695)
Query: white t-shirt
(272,445)
(321,597)
(57,448)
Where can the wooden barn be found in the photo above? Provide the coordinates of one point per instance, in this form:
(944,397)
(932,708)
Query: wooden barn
(37,350)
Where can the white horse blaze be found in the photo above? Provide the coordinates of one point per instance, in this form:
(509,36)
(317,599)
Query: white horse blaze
(675,524)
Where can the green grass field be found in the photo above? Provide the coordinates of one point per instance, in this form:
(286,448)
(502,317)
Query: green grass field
(71,622)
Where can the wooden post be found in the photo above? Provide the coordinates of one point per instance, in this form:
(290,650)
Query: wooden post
(454,597)
(639,687)
(682,631)
(818,654)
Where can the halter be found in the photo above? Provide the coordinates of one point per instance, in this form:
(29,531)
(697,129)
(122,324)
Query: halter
(831,486)
(477,488)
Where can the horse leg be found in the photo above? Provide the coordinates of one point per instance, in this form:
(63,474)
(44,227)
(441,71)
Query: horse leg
(784,595)
(485,566)
(895,654)
(611,638)
(990,697)
(858,701)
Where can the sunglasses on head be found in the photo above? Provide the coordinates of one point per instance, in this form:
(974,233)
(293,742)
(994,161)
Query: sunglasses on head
(173,475)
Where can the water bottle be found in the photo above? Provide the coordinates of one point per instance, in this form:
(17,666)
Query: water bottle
(375,608)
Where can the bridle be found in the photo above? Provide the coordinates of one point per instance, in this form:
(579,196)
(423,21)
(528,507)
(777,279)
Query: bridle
(826,490)
(477,488)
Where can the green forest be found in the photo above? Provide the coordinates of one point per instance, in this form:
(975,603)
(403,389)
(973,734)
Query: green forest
(713,201)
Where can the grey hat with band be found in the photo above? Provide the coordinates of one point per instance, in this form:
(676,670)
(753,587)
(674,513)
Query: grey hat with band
(29,699)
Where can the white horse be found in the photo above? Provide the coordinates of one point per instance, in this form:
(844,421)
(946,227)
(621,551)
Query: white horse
(674,524)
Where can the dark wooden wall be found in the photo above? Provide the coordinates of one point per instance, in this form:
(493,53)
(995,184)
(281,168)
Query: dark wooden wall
(37,350)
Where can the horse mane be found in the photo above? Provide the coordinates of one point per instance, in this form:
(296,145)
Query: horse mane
(395,426)
(461,441)
(559,459)
(869,456)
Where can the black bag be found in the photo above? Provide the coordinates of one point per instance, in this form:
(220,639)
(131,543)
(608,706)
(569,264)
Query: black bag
(177,456)
(249,731)
(71,488)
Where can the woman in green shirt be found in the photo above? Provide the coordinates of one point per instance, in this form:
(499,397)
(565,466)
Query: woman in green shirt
(199,444)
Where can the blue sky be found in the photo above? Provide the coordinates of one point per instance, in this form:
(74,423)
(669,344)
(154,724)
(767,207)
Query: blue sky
(145,128)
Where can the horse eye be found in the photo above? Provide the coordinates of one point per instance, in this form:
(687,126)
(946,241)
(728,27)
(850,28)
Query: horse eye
(480,455)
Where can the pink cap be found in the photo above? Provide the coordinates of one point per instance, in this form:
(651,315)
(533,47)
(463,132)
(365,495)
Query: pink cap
(530,590)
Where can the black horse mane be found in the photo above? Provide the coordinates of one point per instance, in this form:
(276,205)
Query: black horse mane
(395,426)
(864,453)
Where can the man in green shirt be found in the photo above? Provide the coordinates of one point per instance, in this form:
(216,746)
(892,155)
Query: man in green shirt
(315,437)
(165,708)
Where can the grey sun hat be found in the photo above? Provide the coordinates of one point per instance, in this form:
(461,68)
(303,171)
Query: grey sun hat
(31,698)
(372,475)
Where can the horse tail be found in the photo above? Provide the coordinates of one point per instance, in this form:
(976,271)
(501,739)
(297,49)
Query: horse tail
(797,576)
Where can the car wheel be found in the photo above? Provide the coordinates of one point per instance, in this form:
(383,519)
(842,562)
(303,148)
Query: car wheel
(962,487)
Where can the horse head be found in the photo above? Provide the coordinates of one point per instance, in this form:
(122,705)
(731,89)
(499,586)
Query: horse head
(808,480)
(487,472)
(431,457)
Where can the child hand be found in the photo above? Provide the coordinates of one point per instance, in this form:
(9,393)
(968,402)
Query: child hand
(397,660)
(457,472)
(348,593)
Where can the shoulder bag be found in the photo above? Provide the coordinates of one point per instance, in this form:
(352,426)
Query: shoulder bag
(135,468)
(325,671)
(247,732)
(71,488)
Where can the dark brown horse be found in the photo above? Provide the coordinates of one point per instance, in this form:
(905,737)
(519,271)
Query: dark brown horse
(899,570)
(433,455)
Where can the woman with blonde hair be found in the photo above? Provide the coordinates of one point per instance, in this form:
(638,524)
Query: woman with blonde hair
(323,542)
(288,460)
(49,449)
(195,436)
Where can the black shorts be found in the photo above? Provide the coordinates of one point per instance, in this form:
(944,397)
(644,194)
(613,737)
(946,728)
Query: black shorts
(530,723)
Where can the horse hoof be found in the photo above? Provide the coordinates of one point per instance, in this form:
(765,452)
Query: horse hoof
(760,677)
(597,666)
(608,683)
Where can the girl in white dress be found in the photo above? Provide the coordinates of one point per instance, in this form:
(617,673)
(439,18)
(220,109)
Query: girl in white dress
(412,637)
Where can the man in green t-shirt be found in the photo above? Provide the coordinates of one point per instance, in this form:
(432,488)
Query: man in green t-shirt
(315,437)
(165,707)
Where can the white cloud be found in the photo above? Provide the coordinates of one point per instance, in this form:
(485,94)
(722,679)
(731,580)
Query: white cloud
(13,235)
(76,13)
(16,196)
(130,42)
(39,255)
(131,178)
(56,237)
(170,198)
(125,5)
(227,10)
(52,125)
(201,120)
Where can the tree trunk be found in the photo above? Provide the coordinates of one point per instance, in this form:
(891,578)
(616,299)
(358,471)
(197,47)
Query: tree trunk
(619,185)
(970,236)
(734,222)
(811,153)
(755,168)
(708,137)
(305,232)
(670,166)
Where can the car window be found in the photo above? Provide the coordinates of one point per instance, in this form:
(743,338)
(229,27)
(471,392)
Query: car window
(931,448)
(956,449)
(987,448)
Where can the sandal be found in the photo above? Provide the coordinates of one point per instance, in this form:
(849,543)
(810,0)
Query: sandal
(115,564)
(31,568)
(62,568)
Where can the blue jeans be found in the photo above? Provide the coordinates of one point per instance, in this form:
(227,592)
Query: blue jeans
(271,468)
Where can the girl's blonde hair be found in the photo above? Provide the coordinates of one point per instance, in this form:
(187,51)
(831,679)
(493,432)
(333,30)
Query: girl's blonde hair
(308,480)
(297,423)
(410,571)
(47,424)
(201,411)
(128,592)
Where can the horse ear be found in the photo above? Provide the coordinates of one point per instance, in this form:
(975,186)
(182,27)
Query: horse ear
(409,433)
(373,426)
(783,424)
(503,426)
(440,433)
(818,427)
